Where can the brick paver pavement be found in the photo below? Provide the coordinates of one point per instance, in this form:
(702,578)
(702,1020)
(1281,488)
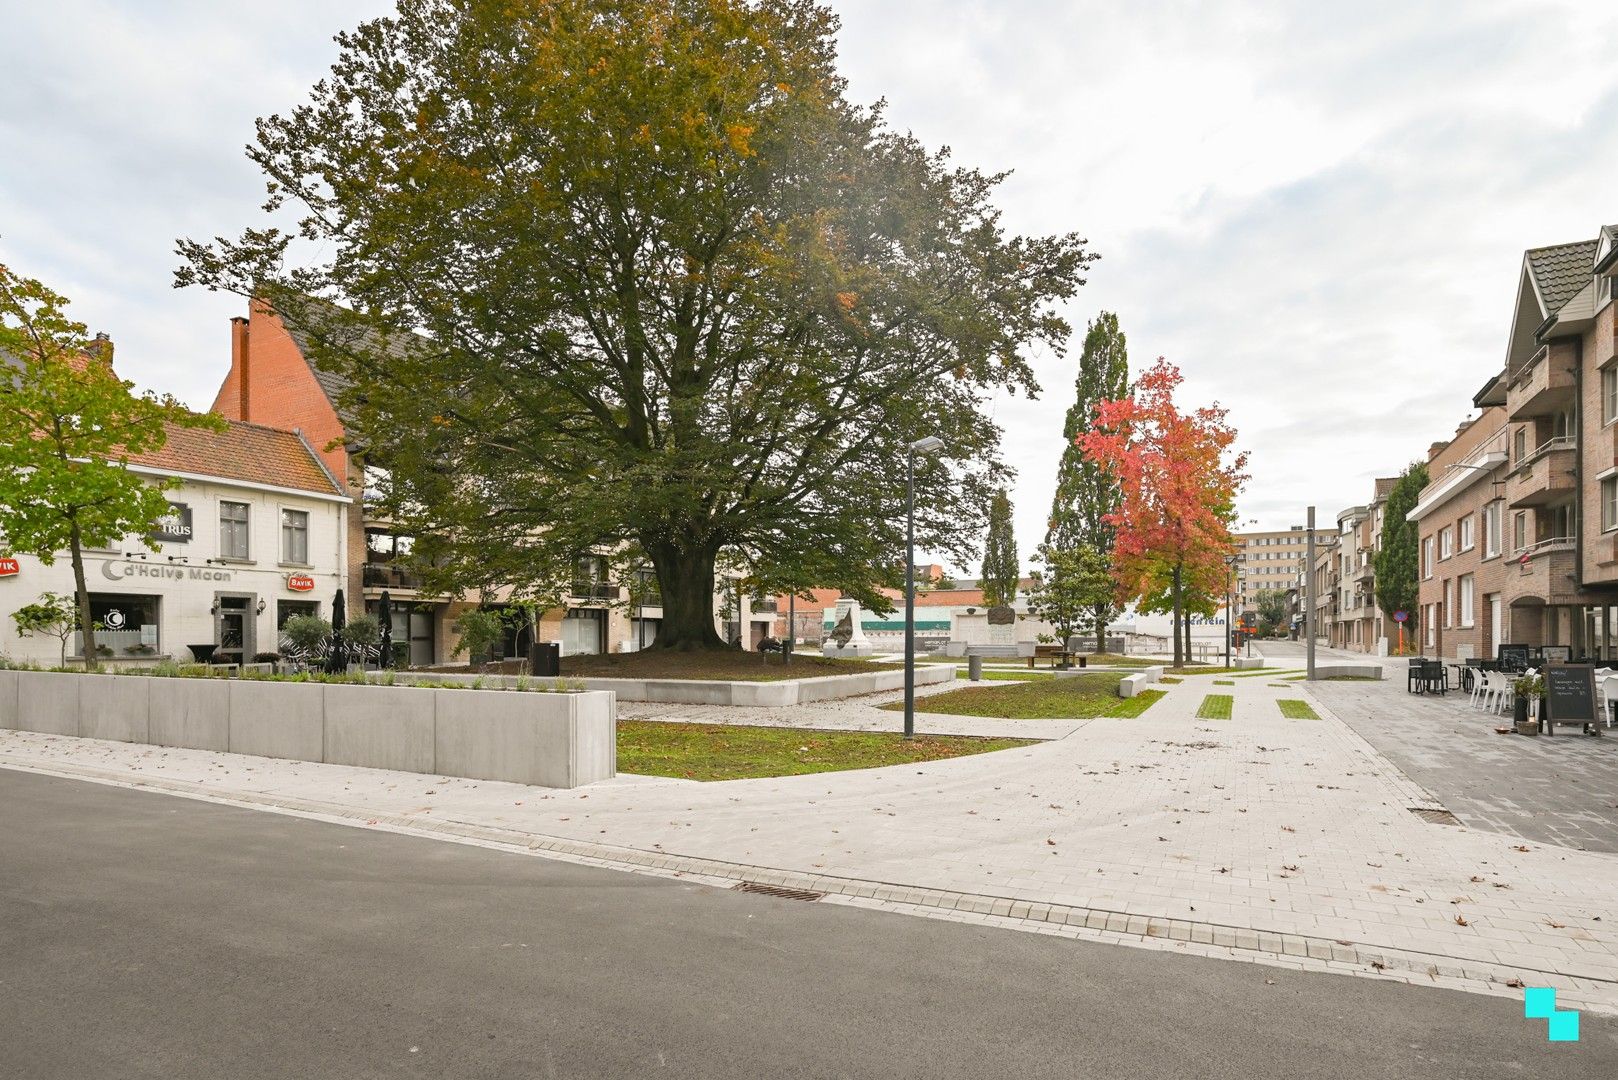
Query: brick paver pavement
(1292,840)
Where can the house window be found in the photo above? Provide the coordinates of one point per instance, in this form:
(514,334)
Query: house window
(1449,603)
(1446,542)
(295,536)
(233,530)
(1609,394)
(1466,533)
(1427,557)
(1519,532)
(1466,591)
(1609,503)
(1491,530)
(1519,445)
(1430,622)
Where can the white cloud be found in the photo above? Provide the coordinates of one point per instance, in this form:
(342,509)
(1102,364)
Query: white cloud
(1316,210)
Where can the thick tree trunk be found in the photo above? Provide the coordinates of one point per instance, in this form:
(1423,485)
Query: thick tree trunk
(686,578)
(82,598)
(1174,625)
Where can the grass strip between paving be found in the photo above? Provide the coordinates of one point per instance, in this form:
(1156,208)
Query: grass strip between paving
(1215,707)
(1297,709)
(742,752)
(1080,697)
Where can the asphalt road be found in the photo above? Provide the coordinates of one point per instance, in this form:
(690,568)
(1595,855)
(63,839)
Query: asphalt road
(145,935)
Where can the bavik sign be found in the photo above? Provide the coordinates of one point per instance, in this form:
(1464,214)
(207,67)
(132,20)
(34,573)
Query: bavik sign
(10,568)
(300,583)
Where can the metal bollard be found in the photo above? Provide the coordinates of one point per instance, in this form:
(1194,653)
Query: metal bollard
(974,668)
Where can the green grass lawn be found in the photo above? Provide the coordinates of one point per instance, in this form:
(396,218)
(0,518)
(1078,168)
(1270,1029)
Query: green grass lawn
(1081,697)
(737,752)
(1224,682)
(1215,707)
(1297,709)
(1005,676)
(1170,680)
(1267,673)
(1195,670)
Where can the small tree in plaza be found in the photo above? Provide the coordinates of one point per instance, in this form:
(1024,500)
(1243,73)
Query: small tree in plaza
(1001,573)
(51,614)
(67,426)
(481,630)
(1178,481)
(1072,585)
(306,639)
(362,634)
(1272,610)
(1398,563)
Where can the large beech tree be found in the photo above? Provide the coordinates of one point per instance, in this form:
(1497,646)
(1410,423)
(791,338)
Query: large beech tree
(671,289)
(1178,481)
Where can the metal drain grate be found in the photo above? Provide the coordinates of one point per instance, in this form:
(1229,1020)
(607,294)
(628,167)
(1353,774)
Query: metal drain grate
(1435,815)
(778,890)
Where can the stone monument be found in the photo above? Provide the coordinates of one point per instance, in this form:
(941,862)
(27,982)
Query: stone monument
(847,637)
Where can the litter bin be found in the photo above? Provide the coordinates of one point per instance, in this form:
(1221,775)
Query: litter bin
(974,668)
(545,659)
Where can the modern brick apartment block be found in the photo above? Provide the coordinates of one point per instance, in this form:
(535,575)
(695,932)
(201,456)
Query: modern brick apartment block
(1271,560)
(1557,483)
(1461,524)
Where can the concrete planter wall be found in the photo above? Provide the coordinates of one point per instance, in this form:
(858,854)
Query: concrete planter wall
(555,740)
(718,692)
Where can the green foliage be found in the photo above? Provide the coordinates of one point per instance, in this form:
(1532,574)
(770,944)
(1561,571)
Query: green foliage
(1272,610)
(67,426)
(1069,698)
(1073,585)
(480,629)
(306,638)
(52,615)
(1001,572)
(1085,492)
(1297,709)
(675,290)
(1398,563)
(362,631)
(1215,707)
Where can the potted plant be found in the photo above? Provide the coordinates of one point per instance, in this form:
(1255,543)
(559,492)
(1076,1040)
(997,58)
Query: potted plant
(1529,686)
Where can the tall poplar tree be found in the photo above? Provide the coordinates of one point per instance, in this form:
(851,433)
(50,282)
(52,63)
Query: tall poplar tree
(1000,569)
(1397,564)
(1086,493)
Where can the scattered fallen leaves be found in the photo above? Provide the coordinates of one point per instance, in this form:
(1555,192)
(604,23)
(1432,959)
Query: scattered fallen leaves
(1460,920)
(1051,842)
(1519,847)
(1554,925)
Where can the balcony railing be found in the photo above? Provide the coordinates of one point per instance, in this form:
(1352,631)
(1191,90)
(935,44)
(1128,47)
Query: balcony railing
(388,576)
(764,606)
(594,590)
(1545,475)
(1543,384)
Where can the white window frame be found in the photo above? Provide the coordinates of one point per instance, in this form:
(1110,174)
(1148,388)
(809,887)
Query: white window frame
(1446,542)
(1492,529)
(247,531)
(1427,550)
(1466,534)
(1609,504)
(286,553)
(1449,603)
(1609,394)
(1467,596)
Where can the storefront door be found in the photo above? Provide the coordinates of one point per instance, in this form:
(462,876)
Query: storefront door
(234,630)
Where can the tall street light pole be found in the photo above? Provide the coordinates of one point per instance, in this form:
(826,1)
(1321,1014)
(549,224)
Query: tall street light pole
(1231,562)
(932,444)
(1309,593)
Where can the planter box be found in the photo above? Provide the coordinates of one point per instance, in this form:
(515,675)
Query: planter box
(553,739)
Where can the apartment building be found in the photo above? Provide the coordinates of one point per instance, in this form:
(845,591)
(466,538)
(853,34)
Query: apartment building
(1462,515)
(1358,623)
(1552,471)
(1270,560)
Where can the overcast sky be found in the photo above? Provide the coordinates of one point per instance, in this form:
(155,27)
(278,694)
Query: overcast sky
(1317,210)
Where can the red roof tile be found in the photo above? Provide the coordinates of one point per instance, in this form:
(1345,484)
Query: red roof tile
(247,452)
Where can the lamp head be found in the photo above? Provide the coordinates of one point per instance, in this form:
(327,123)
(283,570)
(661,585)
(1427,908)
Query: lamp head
(932,444)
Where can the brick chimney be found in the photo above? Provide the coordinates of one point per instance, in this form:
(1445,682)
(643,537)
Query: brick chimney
(101,349)
(239,365)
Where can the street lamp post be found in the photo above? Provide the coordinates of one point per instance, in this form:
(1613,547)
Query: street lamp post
(930,445)
(1231,562)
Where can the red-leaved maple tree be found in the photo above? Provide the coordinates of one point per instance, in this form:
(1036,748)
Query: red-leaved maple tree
(1178,479)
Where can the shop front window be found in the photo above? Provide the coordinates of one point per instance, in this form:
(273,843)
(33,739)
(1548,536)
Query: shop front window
(125,626)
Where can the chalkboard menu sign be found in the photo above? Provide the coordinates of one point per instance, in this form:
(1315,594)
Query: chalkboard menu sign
(1570,693)
(1513,657)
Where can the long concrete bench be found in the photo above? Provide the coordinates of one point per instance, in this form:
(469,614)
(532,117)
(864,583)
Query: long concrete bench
(1349,671)
(1131,685)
